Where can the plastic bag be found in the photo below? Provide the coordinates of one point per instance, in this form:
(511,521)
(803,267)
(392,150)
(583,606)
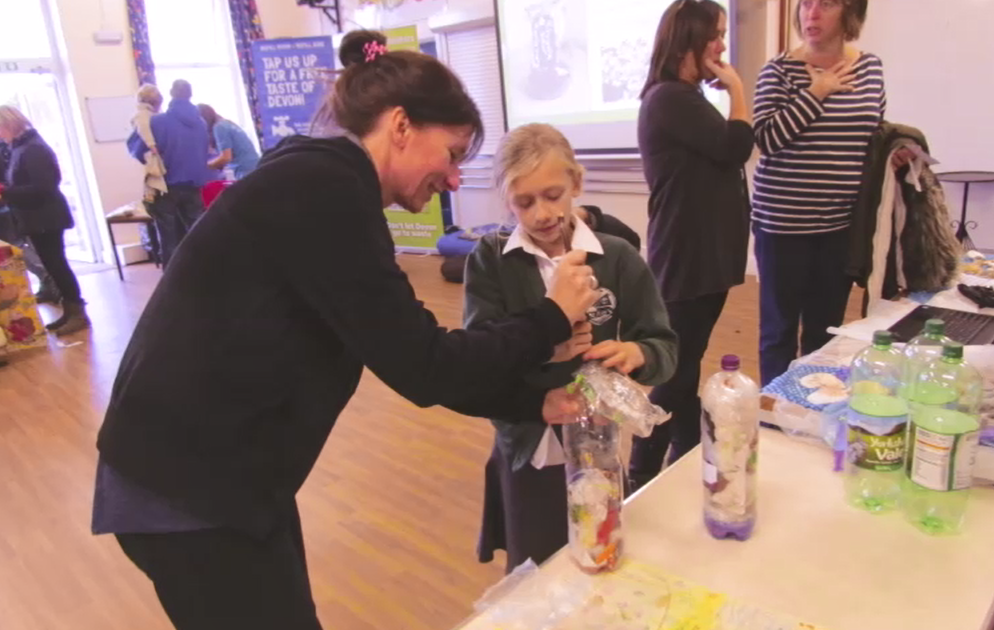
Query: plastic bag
(613,396)
(526,600)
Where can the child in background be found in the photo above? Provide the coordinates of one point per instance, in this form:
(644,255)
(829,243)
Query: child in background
(149,103)
(539,178)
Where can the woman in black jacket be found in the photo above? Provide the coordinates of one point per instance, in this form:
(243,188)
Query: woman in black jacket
(698,232)
(256,337)
(41,212)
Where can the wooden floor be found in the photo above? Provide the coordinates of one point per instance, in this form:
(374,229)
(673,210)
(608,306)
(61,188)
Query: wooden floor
(390,513)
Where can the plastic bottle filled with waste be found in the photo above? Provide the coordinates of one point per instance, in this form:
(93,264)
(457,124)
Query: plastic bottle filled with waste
(595,491)
(730,444)
(942,443)
(594,474)
(876,427)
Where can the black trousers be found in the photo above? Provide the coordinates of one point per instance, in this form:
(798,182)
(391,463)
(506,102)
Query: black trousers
(802,284)
(51,248)
(692,320)
(175,213)
(225,578)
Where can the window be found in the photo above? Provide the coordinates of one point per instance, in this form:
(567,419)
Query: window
(25,35)
(192,40)
(32,81)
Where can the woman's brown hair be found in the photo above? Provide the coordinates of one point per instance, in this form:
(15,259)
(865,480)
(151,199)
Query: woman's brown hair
(428,92)
(853,18)
(686,27)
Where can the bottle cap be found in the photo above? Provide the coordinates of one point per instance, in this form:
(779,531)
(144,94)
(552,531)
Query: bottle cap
(883,338)
(730,363)
(952,350)
(935,327)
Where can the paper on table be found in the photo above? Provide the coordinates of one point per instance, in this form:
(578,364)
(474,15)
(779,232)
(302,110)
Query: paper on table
(882,316)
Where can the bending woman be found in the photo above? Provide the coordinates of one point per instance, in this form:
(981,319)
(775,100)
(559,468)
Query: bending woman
(245,357)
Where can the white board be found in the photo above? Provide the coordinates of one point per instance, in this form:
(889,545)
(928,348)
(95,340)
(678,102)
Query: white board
(937,62)
(937,59)
(110,117)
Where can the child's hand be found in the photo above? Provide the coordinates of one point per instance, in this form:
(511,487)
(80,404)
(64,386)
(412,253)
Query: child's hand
(623,356)
(576,345)
(562,407)
(154,150)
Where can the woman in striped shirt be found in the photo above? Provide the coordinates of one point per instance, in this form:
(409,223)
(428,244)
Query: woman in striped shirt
(816,109)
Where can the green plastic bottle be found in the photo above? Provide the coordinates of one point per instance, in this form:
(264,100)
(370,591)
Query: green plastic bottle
(876,427)
(942,443)
(921,351)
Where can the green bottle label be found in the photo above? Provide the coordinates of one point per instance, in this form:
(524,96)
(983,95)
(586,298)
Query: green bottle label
(877,427)
(942,460)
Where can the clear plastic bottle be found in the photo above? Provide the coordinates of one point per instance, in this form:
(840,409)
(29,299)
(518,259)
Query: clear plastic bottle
(942,443)
(594,492)
(921,351)
(730,443)
(876,427)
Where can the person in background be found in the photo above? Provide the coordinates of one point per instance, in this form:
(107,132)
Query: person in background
(47,293)
(246,355)
(698,235)
(538,178)
(816,110)
(597,221)
(232,145)
(149,104)
(41,212)
(181,136)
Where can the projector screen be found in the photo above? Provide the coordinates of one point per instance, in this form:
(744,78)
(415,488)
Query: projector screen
(580,65)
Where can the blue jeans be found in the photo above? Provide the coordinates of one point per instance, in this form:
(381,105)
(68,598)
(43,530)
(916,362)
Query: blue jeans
(802,284)
(175,213)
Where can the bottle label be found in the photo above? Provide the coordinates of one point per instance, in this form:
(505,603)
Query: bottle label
(876,443)
(942,462)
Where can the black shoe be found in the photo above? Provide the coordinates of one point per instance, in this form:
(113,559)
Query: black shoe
(48,294)
(73,319)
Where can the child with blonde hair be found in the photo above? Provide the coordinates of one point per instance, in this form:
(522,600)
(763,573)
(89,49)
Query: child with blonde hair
(538,178)
(149,103)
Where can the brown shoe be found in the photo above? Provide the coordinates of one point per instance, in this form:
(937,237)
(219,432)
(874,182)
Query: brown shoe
(73,319)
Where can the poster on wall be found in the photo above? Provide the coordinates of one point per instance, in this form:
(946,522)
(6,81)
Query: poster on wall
(417,232)
(403,38)
(291,74)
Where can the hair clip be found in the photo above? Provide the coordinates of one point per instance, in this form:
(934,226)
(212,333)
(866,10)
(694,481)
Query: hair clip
(374,50)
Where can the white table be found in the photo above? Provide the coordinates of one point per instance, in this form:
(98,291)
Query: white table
(812,556)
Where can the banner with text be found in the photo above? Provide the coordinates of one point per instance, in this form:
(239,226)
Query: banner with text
(417,231)
(291,74)
(413,231)
(403,38)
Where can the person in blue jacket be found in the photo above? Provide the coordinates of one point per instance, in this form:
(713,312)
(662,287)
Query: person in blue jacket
(181,136)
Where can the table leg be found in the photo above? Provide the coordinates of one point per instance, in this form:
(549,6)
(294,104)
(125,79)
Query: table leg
(962,235)
(113,248)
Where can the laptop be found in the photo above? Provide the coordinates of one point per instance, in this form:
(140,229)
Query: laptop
(971,329)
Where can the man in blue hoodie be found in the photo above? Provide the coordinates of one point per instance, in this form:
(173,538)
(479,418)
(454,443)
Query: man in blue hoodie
(181,136)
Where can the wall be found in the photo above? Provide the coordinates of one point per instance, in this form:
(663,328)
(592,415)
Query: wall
(937,64)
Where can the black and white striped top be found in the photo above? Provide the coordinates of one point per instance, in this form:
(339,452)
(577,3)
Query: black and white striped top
(813,152)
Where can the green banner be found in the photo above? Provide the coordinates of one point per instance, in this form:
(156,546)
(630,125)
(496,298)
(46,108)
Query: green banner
(413,231)
(403,38)
(417,231)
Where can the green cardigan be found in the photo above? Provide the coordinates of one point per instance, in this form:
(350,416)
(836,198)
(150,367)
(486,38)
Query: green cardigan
(498,285)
